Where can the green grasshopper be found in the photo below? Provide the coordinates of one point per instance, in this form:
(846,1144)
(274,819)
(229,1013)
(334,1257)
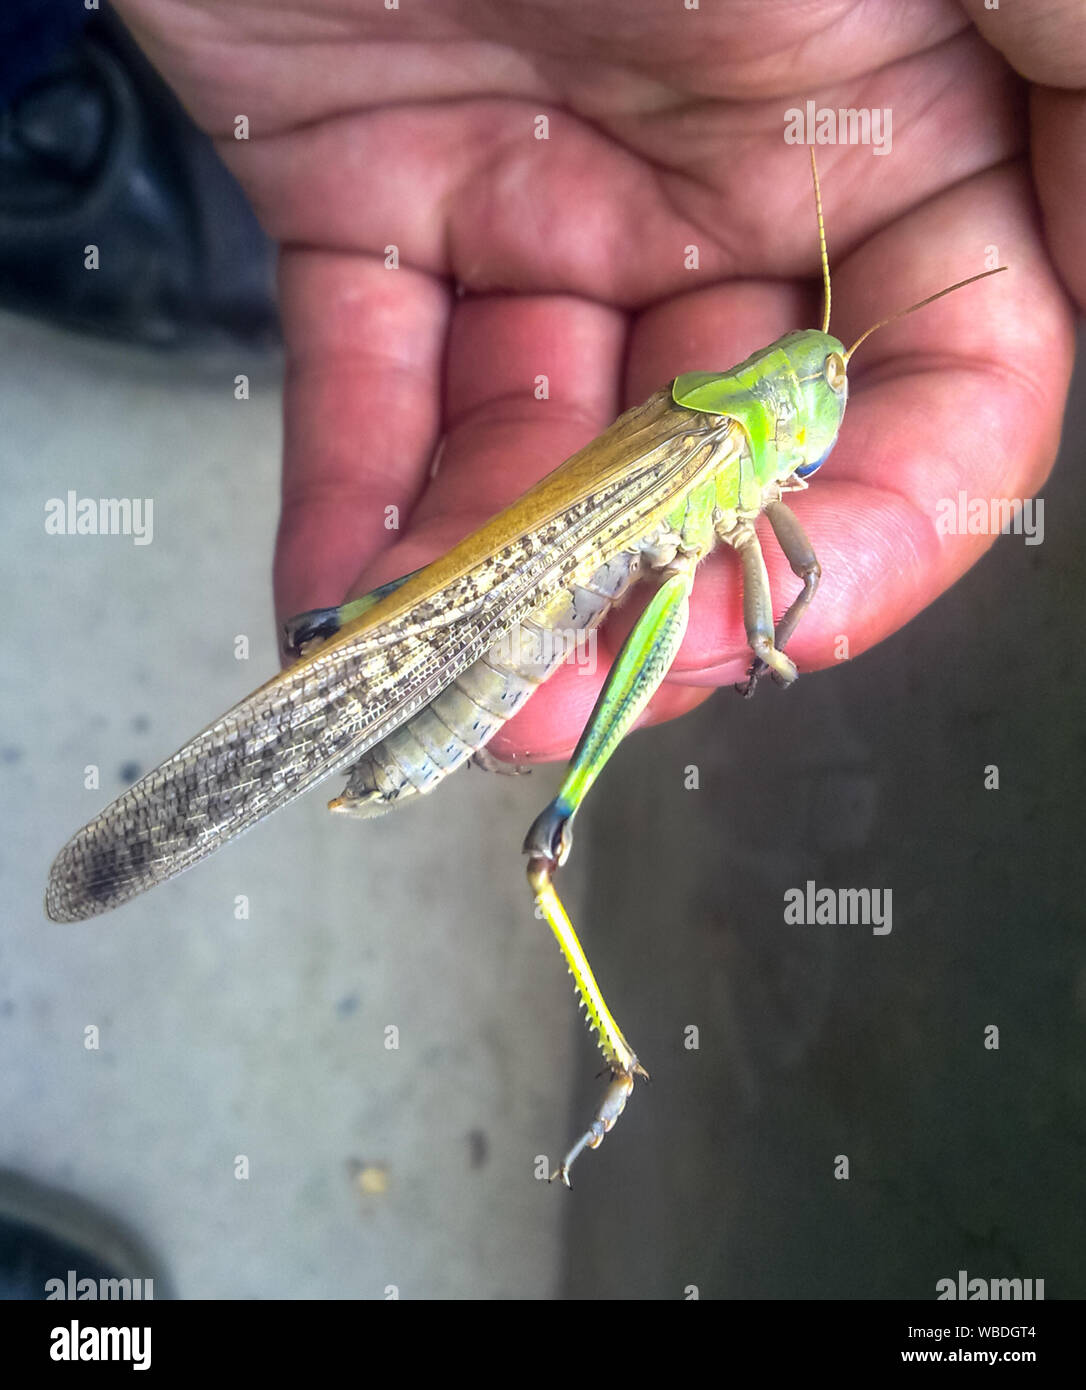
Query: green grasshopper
(406,684)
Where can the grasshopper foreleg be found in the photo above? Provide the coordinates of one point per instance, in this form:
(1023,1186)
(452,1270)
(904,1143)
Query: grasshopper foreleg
(638,670)
(767,643)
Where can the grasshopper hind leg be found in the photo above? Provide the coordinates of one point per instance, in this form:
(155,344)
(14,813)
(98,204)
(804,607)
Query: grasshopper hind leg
(638,670)
(547,846)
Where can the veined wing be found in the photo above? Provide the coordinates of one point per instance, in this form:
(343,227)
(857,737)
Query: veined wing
(323,712)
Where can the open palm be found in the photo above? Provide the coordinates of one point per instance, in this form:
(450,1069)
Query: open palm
(567,257)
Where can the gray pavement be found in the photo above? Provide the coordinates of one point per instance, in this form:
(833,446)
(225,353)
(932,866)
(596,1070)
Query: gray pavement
(262,1037)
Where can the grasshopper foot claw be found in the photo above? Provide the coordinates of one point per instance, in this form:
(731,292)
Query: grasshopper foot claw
(750,685)
(614,1102)
(754,675)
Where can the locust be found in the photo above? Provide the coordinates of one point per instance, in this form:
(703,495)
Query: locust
(411,681)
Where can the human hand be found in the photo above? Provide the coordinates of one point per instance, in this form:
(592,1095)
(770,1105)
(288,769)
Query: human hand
(415,128)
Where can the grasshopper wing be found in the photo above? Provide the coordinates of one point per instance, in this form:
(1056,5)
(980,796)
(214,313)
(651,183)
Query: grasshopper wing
(322,713)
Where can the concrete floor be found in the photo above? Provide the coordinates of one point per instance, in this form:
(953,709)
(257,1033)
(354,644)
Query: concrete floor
(265,1037)
(262,1037)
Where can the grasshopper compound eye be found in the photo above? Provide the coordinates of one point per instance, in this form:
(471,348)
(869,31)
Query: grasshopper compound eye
(834,369)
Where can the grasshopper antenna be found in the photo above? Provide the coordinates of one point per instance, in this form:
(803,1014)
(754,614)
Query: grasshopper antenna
(821,245)
(913,307)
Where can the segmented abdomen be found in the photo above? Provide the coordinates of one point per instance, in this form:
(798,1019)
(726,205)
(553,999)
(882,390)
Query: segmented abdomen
(420,754)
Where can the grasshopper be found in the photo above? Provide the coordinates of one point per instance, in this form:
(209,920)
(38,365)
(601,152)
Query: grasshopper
(408,683)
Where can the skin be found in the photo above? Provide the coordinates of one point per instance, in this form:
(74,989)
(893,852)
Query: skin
(415,127)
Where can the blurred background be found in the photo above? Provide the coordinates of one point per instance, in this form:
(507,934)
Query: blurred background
(242,1116)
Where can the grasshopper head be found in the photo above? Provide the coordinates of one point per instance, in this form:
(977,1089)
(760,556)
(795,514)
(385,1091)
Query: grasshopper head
(818,361)
(802,398)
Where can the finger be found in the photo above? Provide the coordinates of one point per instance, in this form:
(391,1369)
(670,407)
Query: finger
(1059,165)
(1046,43)
(362,402)
(529,380)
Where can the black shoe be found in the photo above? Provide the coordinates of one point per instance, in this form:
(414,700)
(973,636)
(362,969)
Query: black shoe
(98,152)
(54,1245)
